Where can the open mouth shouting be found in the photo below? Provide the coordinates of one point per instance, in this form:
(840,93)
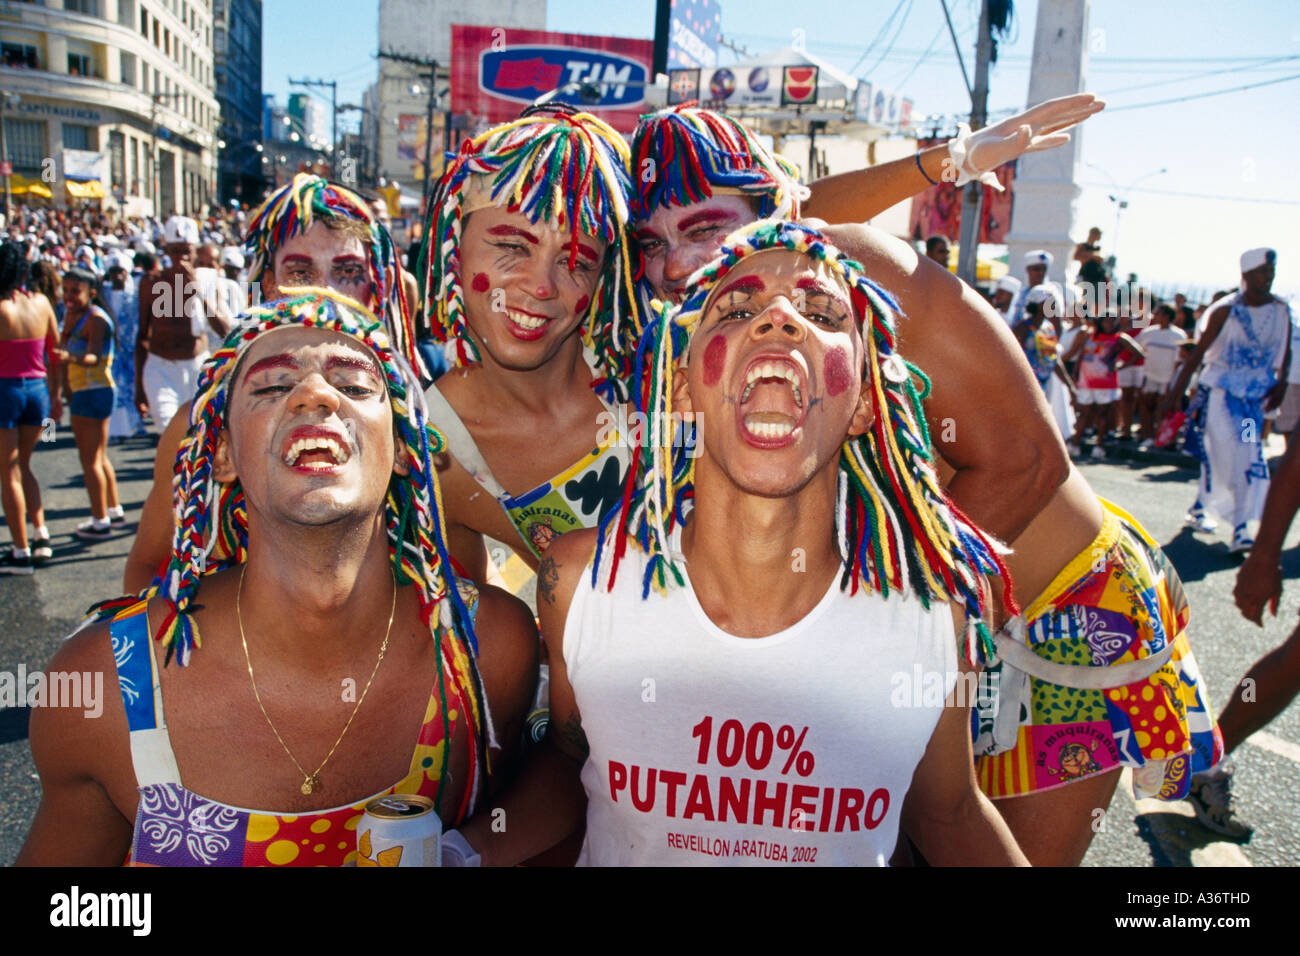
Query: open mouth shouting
(316,450)
(771,406)
(527,326)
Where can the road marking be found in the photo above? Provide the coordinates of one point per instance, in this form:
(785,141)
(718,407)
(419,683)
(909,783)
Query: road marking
(1275,745)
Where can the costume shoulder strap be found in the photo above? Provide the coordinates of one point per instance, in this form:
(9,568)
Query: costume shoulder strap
(460,443)
(137,677)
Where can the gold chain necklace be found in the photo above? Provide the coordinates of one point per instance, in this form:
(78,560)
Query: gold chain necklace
(310,781)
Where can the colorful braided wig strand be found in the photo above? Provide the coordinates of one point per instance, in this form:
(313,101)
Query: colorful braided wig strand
(293,208)
(897,531)
(206,510)
(680,155)
(564,169)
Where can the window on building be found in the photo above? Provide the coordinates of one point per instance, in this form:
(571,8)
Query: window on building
(77,136)
(117,161)
(125,13)
(88,7)
(81,64)
(128,68)
(20,56)
(156,41)
(144,23)
(136,173)
(25,140)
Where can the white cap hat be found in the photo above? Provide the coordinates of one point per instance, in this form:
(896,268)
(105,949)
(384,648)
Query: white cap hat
(181,229)
(1039,257)
(51,235)
(1254,258)
(1038,294)
(1009,284)
(84,251)
(231,256)
(120,260)
(144,245)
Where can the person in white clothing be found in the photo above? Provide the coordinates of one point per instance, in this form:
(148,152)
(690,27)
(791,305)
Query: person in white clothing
(1246,349)
(808,697)
(1161,343)
(1004,293)
(1037,263)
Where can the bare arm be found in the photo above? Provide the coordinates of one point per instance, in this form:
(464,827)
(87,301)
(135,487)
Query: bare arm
(507,640)
(864,193)
(148,293)
(153,536)
(53,366)
(77,823)
(945,813)
(1212,329)
(1259,580)
(547,801)
(988,415)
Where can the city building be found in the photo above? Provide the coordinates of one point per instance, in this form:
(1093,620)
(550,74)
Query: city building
(237,50)
(110,101)
(421,30)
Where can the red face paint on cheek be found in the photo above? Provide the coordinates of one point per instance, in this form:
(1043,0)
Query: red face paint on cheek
(581,305)
(715,357)
(835,370)
(480,283)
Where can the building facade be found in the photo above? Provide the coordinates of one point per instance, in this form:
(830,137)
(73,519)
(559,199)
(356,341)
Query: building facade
(422,29)
(237,54)
(129,80)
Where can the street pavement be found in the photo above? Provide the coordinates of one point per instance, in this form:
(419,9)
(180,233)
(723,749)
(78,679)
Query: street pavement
(37,612)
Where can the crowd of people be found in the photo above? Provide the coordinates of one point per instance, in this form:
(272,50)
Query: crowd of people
(785,536)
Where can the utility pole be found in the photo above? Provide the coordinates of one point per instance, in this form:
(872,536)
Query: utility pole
(972,201)
(334,116)
(432,67)
(4,157)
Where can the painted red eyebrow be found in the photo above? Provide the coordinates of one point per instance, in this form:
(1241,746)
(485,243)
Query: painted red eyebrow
(705,215)
(347,258)
(351,361)
(296,258)
(583,249)
(644,234)
(512,231)
(807,282)
(747,284)
(283,360)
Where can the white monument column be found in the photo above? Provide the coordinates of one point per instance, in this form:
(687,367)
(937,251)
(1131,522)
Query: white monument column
(1042,214)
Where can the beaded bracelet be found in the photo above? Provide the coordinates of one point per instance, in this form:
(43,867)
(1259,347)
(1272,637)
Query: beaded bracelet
(917,156)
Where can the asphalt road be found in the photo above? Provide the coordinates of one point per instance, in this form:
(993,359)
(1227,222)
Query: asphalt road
(37,612)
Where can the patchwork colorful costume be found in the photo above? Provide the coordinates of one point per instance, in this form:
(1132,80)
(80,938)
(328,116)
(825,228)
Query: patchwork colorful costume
(176,827)
(1098,674)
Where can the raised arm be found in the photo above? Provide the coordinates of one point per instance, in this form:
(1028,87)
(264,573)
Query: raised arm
(988,416)
(859,195)
(546,803)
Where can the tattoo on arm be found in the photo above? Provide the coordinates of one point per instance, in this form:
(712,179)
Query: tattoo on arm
(548,576)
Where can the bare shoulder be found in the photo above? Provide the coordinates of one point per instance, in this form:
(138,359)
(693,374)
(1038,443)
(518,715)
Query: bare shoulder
(506,631)
(562,568)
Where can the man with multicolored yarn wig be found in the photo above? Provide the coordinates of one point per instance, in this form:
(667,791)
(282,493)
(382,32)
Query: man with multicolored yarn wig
(765,595)
(309,457)
(1106,616)
(310,232)
(526,274)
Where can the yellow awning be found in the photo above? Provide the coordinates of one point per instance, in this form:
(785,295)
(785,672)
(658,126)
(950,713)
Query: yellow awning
(20,185)
(90,189)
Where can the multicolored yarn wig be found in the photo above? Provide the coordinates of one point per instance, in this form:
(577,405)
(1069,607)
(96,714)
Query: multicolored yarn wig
(558,168)
(683,155)
(291,210)
(897,530)
(206,509)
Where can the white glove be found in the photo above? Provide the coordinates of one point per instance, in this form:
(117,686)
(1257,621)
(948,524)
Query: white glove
(456,850)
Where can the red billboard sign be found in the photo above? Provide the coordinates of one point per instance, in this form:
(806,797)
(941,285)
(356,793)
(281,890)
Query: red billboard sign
(496,72)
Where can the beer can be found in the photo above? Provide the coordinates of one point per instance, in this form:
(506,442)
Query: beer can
(399,830)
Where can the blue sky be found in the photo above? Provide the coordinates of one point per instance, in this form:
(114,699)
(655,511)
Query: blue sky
(1238,147)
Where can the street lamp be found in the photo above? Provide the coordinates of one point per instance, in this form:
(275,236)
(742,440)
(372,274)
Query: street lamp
(1120,198)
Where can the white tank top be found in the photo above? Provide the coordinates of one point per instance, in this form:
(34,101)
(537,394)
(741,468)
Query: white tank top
(712,749)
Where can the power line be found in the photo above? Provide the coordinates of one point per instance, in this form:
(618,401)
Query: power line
(901,23)
(1201,96)
(1195,76)
(884,28)
(924,56)
(1187,195)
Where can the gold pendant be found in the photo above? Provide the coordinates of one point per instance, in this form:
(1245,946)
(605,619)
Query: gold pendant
(310,784)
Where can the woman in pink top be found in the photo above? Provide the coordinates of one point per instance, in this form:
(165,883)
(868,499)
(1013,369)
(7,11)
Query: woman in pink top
(1102,351)
(29,396)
